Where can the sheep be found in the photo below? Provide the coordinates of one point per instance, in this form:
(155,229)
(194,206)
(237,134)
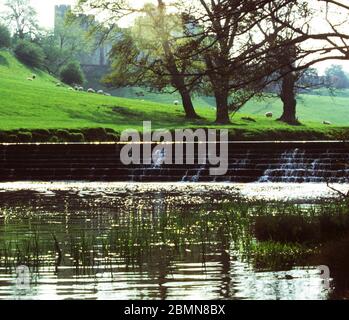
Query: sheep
(58,84)
(328,123)
(107,94)
(71,89)
(100,91)
(76,88)
(81,88)
(34,76)
(269,114)
(90,90)
(176,102)
(30,79)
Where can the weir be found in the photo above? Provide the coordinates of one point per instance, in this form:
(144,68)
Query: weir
(289,162)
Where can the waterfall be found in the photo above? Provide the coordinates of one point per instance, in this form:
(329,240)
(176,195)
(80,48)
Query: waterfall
(198,174)
(248,163)
(185,177)
(291,168)
(158,158)
(298,166)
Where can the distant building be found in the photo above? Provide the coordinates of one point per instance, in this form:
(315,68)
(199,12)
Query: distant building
(99,56)
(60,12)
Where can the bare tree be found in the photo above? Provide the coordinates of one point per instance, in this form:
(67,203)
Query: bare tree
(294,47)
(22,17)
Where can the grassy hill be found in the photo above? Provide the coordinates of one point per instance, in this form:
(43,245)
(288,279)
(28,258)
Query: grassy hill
(26,106)
(316,107)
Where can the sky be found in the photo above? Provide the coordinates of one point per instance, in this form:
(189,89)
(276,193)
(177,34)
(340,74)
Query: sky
(45,10)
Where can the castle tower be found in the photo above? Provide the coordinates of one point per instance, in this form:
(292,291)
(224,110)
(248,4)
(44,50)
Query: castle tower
(60,12)
(99,55)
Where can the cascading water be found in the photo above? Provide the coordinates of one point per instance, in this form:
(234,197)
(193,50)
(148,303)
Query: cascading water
(248,162)
(158,158)
(298,166)
(196,178)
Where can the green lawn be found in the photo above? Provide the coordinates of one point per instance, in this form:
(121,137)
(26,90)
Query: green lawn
(40,104)
(311,107)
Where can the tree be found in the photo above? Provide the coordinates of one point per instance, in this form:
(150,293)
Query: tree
(296,48)
(242,45)
(336,77)
(29,53)
(22,18)
(72,74)
(310,79)
(67,42)
(5,37)
(232,48)
(155,52)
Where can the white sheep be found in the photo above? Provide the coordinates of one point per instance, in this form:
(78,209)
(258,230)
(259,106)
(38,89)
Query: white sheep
(90,90)
(30,79)
(100,91)
(328,123)
(34,76)
(81,88)
(176,102)
(58,84)
(71,89)
(269,114)
(107,94)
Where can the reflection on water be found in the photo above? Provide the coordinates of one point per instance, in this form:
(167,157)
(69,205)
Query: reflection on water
(130,241)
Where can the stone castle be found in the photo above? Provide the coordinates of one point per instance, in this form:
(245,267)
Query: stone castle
(99,55)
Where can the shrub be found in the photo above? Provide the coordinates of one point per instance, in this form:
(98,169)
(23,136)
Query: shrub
(112,137)
(5,37)
(54,139)
(63,135)
(41,135)
(76,137)
(12,138)
(42,132)
(24,137)
(3,137)
(29,53)
(95,134)
(72,74)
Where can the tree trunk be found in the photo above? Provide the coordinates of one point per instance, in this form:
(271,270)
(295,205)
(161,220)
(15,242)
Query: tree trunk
(222,108)
(188,104)
(288,98)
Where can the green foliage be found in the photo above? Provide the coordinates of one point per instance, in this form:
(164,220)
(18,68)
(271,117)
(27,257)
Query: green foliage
(68,42)
(95,134)
(54,139)
(336,77)
(76,137)
(279,256)
(5,37)
(24,136)
(113,137)
(29,53)
(72,74)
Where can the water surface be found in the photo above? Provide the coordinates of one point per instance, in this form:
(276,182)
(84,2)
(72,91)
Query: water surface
(152,241)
